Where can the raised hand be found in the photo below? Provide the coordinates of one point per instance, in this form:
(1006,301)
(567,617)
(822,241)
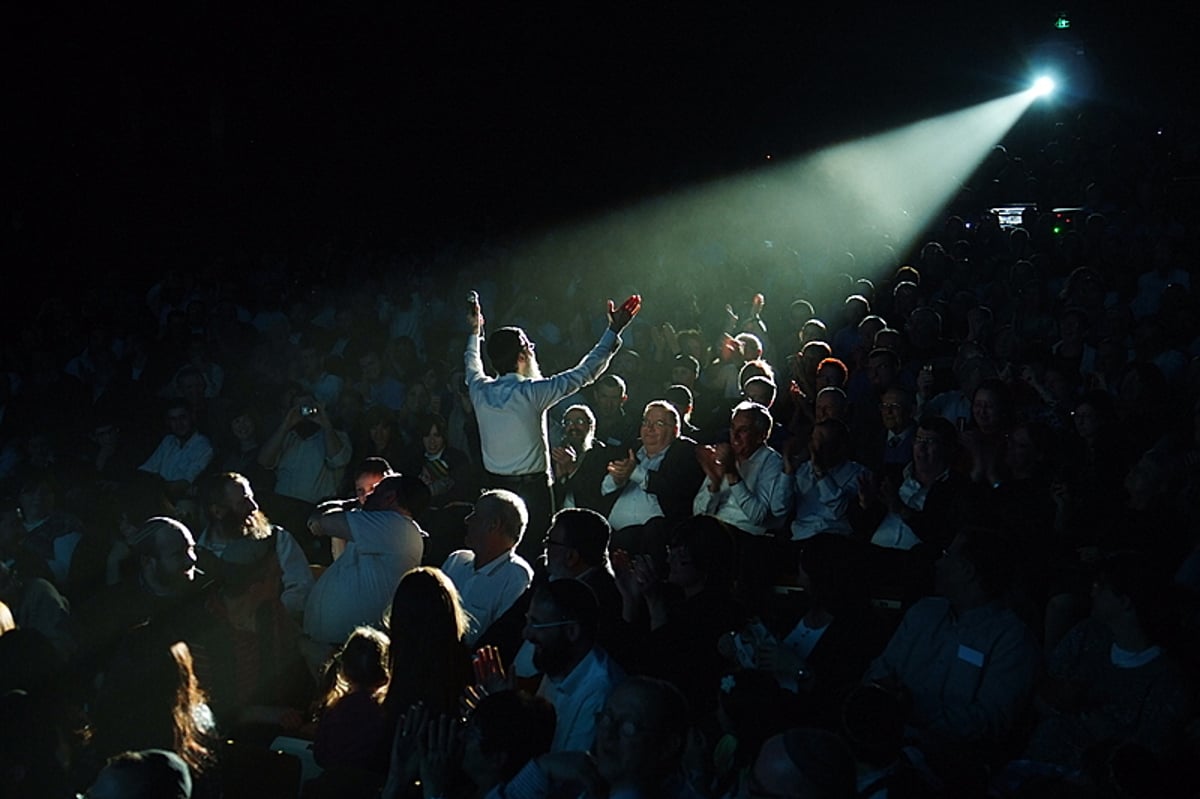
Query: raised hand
(474,313)
(621,469)
(437,749)
(565,461)
(490,673)
(618,318)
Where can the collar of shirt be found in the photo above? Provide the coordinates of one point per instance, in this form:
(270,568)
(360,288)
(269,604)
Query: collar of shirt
(651,462)
(579,674)
(509,556)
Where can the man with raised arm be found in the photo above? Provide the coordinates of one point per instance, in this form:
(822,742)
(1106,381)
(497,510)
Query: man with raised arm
(511,408)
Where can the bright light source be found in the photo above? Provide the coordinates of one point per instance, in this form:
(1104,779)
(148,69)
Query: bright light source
(1042,86)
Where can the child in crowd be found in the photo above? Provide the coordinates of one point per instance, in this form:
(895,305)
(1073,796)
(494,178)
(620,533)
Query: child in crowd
(351,728)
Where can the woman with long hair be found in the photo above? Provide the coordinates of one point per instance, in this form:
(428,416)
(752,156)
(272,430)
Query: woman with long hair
(149,698)
(429,659)
(429,662)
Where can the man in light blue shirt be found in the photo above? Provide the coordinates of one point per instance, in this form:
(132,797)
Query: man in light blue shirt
(511,409)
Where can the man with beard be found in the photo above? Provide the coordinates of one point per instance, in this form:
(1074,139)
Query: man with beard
(641,736)
(579,676)
(163,591)
(232,515)
(579,464)
(511,409)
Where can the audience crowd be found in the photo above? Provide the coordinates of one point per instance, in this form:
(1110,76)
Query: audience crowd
(925,531)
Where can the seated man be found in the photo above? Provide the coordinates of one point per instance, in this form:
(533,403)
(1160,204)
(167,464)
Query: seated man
(826,484)
(659,481)
(748,489)
(488,573)
(924,508)
(163,590)
(183,453)
(382,544)
(1110,678)
(746,485)
(561,625)
(890,449)
(638,750)
(966,660)
(579,463)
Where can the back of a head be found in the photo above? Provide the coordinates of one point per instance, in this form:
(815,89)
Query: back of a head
(832,562)
(146,774)
(425,605)
(508,508)
(587,532)
(665,707)
(399,491)
(1138,578)
(520,725)
(29,744)
(710,543)
(156,532)
(503,347)
(806,763)
(993,555)
(426,626)
(373,465)
(679,395)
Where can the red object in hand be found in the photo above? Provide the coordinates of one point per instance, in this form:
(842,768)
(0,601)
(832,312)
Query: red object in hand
(631,305)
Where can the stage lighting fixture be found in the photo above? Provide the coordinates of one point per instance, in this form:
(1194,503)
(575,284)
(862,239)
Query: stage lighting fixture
(1042,86)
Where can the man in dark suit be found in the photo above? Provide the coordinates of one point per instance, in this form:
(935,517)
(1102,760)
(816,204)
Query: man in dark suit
(580,463)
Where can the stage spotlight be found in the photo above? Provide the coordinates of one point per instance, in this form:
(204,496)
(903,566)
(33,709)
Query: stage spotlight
(1042,86)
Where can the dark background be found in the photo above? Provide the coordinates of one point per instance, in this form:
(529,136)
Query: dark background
(138,136)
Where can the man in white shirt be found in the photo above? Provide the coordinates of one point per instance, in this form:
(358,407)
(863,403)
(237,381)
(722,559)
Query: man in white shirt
(746,485)
(579,676)
(748,489)
(184,452)
(657,482)
(511,409)
(382,544)
(488,573)
(826,484)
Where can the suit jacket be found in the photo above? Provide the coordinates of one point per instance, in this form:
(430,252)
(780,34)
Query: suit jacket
(585,482)
(677,479)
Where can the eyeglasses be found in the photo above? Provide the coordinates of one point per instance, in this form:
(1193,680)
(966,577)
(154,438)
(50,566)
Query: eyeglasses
(626,728)
(890,406)
(550,542)
(548,625)
(577,422)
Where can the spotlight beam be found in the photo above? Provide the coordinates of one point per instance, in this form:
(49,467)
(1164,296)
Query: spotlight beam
(851,197)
